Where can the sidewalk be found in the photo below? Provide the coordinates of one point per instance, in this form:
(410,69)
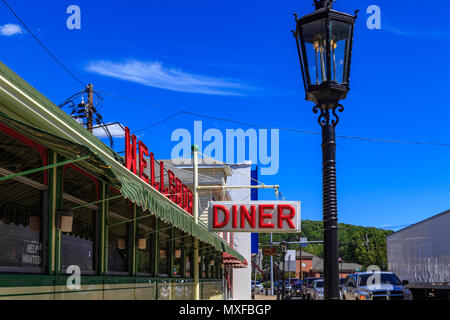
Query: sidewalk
(264,297)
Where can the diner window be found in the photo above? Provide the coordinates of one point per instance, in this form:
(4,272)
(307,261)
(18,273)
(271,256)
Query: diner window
(18,154)
(219,268)
(78,247)
(211,266)
(22,204)
(189,256)
(164,237)
(178,268)
(203,267)
(120,210)
(145,239)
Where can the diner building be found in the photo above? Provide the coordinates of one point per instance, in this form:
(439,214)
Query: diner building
(69,206)
(237,274)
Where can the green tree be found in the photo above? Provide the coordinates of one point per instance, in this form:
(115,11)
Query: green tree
(362,245)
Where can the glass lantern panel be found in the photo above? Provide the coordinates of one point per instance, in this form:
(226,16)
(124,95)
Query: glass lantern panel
(314,41)
(340,50)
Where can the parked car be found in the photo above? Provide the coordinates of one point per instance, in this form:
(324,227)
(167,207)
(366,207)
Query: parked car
(307,285)
(287,287)
(317,290)
(379,285)
(259,287)
(296,290)
(341,284)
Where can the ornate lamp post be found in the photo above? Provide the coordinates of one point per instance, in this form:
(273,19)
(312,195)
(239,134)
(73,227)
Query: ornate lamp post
(324,43)
(283,248)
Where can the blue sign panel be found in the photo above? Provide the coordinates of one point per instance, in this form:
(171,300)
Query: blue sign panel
(255,240)
(254,196)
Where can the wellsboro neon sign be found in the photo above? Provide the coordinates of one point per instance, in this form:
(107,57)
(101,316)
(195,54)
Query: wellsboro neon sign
(135,151)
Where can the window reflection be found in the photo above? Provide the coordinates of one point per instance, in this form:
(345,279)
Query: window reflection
(163,248)
(78,246)
(145,245)
(120,210)
(21,209)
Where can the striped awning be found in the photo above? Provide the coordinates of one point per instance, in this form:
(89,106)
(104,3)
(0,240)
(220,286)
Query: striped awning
(231,261)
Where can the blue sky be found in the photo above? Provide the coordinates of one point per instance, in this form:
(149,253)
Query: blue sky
(238,60)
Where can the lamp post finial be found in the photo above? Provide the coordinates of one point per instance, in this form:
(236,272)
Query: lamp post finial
(320,4)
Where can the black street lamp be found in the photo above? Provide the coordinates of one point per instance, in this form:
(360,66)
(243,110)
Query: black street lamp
(283,248)
(324,43)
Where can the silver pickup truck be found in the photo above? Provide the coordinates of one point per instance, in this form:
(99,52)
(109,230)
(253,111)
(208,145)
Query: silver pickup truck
(377,285)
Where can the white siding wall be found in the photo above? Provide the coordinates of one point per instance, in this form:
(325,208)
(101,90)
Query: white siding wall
(242,241)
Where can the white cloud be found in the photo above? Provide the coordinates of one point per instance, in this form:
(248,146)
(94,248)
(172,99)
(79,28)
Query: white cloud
(154,74)
(115,130)
(437,34)
(10,29)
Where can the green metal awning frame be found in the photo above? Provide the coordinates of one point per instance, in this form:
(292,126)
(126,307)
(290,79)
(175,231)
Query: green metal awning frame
(29,112)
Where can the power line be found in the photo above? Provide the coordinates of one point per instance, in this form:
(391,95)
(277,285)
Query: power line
(43,46)
(248,124)
(204,115)
(159,122)
(396,227)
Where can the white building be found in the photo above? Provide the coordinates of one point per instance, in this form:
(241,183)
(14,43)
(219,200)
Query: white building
(242,240)
(211,173)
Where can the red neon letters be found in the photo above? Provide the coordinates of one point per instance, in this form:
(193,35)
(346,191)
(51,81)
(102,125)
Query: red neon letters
(130,151)
(177,191)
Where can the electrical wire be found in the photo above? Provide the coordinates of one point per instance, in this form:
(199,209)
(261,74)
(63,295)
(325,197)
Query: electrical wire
(395,227)
(199,114)
(159,122)
(79,111)
(43,46)
(226,165)
(248,124)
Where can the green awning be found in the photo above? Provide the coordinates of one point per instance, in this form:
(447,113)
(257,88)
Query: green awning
(65,148)
(153,201)
(29,112)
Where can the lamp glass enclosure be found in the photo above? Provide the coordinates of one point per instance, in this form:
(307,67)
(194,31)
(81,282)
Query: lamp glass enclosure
(315,44)
(340,46)
(324,42)
(319,66)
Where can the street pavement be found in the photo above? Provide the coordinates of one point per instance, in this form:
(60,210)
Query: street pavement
(274,297)
(264,297)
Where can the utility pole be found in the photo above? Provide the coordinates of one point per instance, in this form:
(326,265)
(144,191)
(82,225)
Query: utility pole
(195,150)
(366,241)
(90,105)
(301,262)
(271,268)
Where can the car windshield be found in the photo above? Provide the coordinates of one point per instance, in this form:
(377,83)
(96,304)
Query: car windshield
(319,284)
(310,281)
(384,278)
